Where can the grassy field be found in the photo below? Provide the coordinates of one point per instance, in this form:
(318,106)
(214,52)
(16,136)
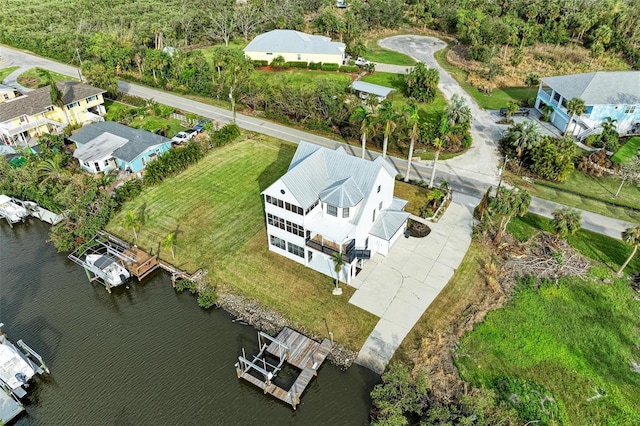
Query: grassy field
(569,342)
(628,150)
(237,43)
(146,122)
(298,77)
(216,208)
(31,79)
(375,53)
(594,194)
(498,97)
(4,72)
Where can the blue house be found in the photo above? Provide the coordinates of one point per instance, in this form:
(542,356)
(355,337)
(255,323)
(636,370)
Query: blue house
(606,94)
(105,146)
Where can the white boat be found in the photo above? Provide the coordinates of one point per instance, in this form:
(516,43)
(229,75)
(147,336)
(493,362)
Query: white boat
(12,210)
(112,273)
(16,366)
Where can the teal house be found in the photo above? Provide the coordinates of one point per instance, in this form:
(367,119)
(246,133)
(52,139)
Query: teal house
(105,146)
(614,94)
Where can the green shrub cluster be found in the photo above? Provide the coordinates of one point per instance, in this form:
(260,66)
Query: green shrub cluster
(349,68)
(225,135)
(184,284)
(329,67)
(136,101)
(127,191)
(296,64)
(315,65)
(172,162)
(207,297)
(257,63)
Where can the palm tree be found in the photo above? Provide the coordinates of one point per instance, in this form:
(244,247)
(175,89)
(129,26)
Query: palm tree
(367,124)
(458,112)
(53,168)
(523,136)
(132,221)
(630,236)
(566,222)
(338,264)
(414,121)
(168,243)
(575,106)
(532,79)
(387,117)
(437,144)
(55,93)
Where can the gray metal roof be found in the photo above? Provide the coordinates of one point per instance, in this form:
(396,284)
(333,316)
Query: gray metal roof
(343,193)
(101,147)
(136,141)
(362,86)
(388,224)
(290,41)
(315,168)
(37,101)
(599,88)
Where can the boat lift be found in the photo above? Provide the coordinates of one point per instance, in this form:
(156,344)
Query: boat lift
(30,356)
(267,370)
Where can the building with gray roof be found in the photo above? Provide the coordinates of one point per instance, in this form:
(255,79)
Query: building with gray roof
(105,146)
(330,202)
(614,94)
(295,46)
(364,89)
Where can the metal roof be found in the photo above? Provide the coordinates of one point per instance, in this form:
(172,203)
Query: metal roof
(99,148)
(362,86)
(388,224)
(315,169)
(343,193)
(599,88)
(93,135)
(290,41)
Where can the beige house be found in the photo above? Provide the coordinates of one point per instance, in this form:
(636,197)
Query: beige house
(7,93)
(295,46)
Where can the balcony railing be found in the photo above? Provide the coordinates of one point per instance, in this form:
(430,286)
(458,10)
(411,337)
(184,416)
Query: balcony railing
(329,247)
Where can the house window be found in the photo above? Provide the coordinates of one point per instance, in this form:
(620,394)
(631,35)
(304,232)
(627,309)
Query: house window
(332,210)
(92,98)
(269,53)
(345,212)
(379,186)
(23,119)
(278,242)
(380,206)
(49,109)
(556,97)
(366,243)
(311,207)
(73,105)
(106,163)
(86,164)
(96,166)
(588,109)
(564,103)
(299,56)
(6,97)
(630,109)
(309,255)
(294,249)
(144,161)
(374,215)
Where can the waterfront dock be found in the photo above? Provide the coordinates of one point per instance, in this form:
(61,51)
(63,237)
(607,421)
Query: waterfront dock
(10,407)
(289,347)
(41,213)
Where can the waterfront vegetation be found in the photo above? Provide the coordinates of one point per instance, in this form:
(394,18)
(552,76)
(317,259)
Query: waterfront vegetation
(216,211)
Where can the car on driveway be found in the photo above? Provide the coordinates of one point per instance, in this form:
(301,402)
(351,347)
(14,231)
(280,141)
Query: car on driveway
(362,62)
(200,126)
(182,137)
(520,111)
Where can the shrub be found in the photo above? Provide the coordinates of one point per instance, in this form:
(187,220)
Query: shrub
(207,297)
(136,101)
(127,191)
(296,64)
(224,135)
(329,67)
(278,62)
(258,63)
(349,68)
(172,162)
(183,284)
(315,65)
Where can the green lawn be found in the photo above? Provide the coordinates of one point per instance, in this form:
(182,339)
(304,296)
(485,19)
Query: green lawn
(299,77)
(375,53)
(216,208)
(146,122)
(498,97)
(628,150)
(4,72)
(31,79)
(569,343)
(594,194)
(387,79)
(237,43)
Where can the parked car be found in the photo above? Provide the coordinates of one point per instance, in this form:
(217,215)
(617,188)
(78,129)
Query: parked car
(341,4)
(520,111)
(182,137)
(200,126)
(362,62)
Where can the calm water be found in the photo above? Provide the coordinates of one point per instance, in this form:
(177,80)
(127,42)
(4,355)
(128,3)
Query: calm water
(145,355)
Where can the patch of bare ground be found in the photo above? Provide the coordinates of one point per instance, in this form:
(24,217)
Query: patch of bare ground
(543,59)
(484,282)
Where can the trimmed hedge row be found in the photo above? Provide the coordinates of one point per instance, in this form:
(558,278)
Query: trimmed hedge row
(329,67)
(306,65)
(349,68)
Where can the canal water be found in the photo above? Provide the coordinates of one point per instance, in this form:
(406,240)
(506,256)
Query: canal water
(144,355)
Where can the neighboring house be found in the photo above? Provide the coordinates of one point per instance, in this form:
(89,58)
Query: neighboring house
(364,89)
(606,94)
(106,146)
(328,202)
(32,114)
(295,46)
(7,93)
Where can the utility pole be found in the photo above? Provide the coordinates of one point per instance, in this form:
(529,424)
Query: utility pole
(504,166)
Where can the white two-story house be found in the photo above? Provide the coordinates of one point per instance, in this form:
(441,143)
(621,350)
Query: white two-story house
(328,202)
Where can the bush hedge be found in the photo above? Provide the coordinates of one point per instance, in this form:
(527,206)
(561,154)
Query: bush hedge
(315,65)
(172,162)
(224,135)
(349,68)
(296,64)
(257,63)
(329,67)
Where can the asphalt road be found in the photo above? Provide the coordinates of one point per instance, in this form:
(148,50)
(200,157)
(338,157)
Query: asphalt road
(469,174)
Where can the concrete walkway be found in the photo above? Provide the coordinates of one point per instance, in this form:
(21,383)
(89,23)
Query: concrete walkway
(400,287)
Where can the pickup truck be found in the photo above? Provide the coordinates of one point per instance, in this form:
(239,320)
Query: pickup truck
(520,111)
(182,137)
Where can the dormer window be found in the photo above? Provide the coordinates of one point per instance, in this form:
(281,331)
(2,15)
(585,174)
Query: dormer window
(332,210)
(345,212)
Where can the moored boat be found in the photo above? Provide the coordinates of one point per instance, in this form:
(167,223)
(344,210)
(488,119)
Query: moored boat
(113,274)
(12,210)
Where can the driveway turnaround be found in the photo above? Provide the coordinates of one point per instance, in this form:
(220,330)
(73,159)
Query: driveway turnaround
(400,287)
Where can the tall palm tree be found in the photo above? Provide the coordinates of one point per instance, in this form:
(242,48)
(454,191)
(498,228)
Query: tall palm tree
(458,112)
(387,117)
(523,136)
(575,106)
(338,264)
(132,221)
(367,124)
(437,144)
(565,222)
(169,242)
(630,236)
(57,97)
(53,168)
(413,119)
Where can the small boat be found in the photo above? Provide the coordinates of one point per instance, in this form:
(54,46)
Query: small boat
(16,367)
(12,210)
(113,274)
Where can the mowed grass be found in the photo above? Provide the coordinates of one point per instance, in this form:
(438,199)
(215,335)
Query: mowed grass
(216,209)
(146,122)
(4,72)
(630,149)
(375,53)
(575,340)
(32,80)
(299,78)
(594,194)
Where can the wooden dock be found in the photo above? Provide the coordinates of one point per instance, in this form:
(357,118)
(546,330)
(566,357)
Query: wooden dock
(295,349)
(139,262)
